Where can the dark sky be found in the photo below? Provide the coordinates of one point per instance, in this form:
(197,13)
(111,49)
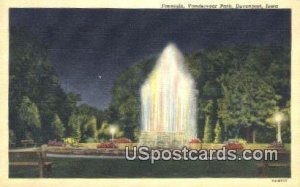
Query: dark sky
(87,43)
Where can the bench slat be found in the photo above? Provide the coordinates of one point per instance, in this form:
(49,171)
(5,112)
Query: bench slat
(29,163)
(24,163)
(278,165)
(30,158)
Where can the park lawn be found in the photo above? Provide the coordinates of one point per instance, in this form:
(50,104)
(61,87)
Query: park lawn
(251,146)
(121,168)
(88,145)
(205,146)
(287,147)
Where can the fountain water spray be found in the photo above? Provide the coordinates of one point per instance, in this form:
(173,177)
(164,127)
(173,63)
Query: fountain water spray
(168,98)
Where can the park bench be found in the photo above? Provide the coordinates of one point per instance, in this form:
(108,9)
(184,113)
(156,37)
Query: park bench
(28,142)
(30,158)
(12,144)
(283,162)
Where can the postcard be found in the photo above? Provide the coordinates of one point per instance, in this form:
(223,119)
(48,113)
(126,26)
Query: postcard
(121,94)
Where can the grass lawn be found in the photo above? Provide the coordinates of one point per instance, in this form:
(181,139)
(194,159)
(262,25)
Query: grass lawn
(120,168)
(207,146)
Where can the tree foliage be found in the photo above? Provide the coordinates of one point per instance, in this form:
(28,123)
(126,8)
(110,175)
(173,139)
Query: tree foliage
(218,133)
(83,123)
(125,105)
(105,134)
(245,84)
(49,109)
(29,123)
(57,128)
(208,129)
(239,87)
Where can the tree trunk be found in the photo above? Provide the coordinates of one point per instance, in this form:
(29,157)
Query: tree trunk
(248,134)
(128,132)
(253,136)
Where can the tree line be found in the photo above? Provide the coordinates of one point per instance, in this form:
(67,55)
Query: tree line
(39,109)
(240,88)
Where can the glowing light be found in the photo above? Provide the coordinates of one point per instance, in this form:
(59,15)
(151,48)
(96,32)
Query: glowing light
(278,117)
(112,130)
(168,96)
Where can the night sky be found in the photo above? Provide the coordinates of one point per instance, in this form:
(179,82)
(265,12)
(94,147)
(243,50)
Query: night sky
(89,48)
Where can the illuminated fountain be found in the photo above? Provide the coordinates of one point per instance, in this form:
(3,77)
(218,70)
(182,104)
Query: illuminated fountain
(168,98)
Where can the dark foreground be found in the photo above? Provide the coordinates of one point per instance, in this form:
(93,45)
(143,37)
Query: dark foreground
(121,168)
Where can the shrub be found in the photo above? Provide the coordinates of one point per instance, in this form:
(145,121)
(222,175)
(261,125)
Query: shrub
(91,140)
(122,140)
(207,130)
(55,143)
(218,133)
(241,141)
(237,140)
(195,140)
(71,141)
(235,146)
(106,145)
(276,145)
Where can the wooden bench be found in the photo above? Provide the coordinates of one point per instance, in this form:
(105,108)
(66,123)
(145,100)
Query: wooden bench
(28,142)
(283,162)
(12,144)
(30,158)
